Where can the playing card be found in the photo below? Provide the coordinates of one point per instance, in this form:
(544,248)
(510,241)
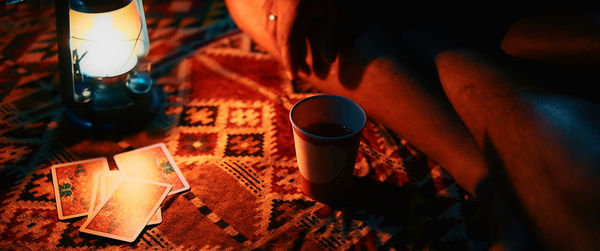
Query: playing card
(156,218)
(128,209)
(96,197)
(73,184)
(110,180)
(152,163)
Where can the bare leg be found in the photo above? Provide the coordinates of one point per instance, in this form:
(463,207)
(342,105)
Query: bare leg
(371,71)
(546,144)
(547,160)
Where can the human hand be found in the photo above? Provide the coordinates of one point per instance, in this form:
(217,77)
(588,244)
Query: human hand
(294,23)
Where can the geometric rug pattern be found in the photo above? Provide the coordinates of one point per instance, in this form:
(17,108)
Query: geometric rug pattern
(225,120)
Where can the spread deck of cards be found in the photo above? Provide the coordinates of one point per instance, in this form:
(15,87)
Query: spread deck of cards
(118,203)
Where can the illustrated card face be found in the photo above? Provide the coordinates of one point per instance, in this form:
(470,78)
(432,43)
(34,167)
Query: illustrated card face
(154,163)
(108,181)
(96,197)
(128,209)
(73,186)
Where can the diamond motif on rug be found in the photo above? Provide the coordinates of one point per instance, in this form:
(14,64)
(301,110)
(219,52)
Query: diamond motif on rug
(197,144)
(244,145)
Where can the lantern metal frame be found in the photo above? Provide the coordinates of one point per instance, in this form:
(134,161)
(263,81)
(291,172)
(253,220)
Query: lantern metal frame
(109,104)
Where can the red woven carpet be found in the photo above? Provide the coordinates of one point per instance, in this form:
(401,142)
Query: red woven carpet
(225,121)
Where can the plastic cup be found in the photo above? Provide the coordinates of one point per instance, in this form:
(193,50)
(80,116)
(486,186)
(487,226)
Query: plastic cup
(326,138)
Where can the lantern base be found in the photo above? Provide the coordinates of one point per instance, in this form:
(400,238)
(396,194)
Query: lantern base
(124,119)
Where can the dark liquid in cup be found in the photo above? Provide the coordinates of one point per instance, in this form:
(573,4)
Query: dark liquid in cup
(328,129)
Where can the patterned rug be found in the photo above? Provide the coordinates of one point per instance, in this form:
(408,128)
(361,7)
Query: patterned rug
(225,120)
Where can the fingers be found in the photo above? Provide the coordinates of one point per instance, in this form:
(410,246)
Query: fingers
(292,56)
(290,37)
(320,65)
(286,49)
(329,44)
(293,52)
(300,22)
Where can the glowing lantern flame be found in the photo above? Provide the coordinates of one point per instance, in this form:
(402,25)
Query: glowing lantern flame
(107,44)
